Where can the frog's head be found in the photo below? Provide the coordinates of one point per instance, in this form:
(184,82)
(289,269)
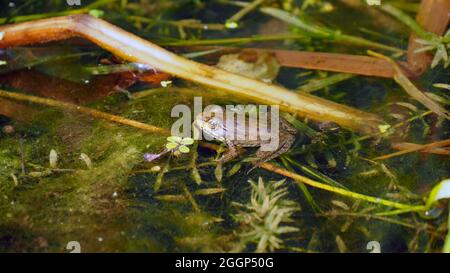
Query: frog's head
(211,123)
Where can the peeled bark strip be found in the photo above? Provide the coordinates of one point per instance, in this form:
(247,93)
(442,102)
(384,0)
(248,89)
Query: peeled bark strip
(345,63)
(433,16)
(135,49)
(335,62)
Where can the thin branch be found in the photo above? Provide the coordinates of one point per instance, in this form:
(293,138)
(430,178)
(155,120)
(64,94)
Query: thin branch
(84,110)
(429,146)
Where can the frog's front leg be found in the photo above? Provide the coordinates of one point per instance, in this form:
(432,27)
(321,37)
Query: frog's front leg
(264,156)
(231,154)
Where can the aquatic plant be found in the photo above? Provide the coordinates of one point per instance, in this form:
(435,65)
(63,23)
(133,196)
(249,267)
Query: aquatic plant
(178,145)
(184,203)
(263,219)
(440,45)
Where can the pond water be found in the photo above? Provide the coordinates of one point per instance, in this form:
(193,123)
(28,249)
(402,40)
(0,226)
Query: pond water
(72,180)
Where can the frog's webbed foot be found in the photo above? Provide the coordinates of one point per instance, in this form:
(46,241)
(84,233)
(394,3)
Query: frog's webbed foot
(231,154)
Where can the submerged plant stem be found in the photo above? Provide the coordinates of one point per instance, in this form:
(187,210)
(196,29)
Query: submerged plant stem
(241,13)
(318,84)
(325,33)
(302,179)
(84,110)
(404,18)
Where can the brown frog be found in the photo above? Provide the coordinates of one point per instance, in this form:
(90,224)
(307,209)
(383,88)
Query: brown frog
(213,125)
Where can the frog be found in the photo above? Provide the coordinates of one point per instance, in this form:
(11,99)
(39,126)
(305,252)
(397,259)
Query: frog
(214,126)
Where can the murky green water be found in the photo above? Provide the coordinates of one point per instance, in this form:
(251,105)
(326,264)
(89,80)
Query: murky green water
(106,201)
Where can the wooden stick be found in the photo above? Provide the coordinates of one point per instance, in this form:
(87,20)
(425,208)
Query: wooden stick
(84,110)
(438,144)
(406,145)
(135,49)
(354,64)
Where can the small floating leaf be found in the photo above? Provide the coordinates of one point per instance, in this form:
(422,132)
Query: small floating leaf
(171,198)
(209,191)
(234,169)
(196,176)
(341,244)
(86,160)
(183,149)
(174,139)
(171,146)
(53,159)
(187,141)
(218,172)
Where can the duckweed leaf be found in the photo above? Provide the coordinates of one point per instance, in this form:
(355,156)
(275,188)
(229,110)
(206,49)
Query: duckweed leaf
(174,139)
(187,141)
(170,146)
(183,149)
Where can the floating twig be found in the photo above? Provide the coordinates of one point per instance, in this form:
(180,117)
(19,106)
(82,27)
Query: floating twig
(135,49)
(405,146)
(84,110)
